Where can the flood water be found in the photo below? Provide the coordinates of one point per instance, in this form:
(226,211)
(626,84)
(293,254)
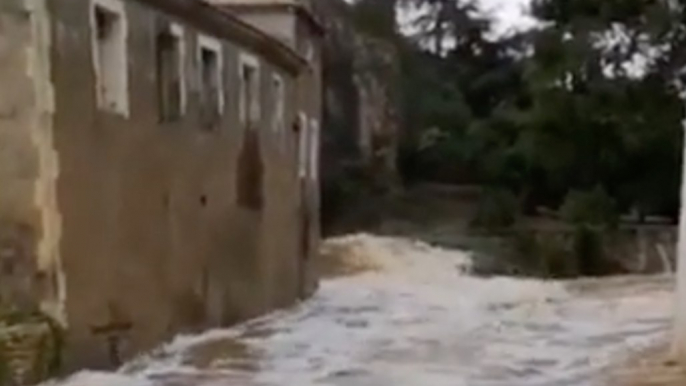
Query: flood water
(412,315)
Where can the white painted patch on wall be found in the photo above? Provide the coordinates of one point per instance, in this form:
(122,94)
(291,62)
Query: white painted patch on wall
(314,150)
(279,108)
(178,32)
(49,261)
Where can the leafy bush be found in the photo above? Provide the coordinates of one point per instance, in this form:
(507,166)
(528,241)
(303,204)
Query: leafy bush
(555,259)
(546,256)
(355,186)
(498,209)
(593,214)
(590,208)
(589,251)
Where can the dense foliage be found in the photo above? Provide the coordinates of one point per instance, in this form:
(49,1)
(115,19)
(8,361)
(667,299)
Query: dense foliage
(587,101)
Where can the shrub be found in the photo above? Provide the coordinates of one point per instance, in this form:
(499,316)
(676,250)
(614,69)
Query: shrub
(555,259)
(593,214)
(498,209)
(339,193)
(591,208)
(546,255)
(589,251)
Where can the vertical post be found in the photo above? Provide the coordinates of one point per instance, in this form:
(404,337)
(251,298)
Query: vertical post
(680,306)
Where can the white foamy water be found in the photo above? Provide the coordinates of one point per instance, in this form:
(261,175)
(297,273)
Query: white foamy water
(419,318)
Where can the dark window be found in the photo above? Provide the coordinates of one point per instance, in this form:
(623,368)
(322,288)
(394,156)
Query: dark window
(169,76)
(210,83)
(250,107)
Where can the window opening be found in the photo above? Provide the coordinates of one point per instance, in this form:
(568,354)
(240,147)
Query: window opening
(250,92)
(279,104)
(110,57)
(170,74)
(211,98)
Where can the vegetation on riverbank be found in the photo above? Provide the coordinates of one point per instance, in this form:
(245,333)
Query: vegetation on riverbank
(579,117)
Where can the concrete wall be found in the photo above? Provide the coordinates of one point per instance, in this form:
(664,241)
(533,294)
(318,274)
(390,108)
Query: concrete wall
(154,240)
(630,249)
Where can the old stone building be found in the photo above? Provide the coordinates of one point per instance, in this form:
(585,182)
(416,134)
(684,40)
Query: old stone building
(158,166)
(293,23)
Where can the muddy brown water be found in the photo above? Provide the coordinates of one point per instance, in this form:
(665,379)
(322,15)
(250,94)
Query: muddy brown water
(407,314)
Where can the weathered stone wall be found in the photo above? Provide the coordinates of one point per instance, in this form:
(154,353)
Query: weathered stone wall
(376,75)
(162,229)
(360,137)
(360,106)
(31,276)
(30,265)
(149,216)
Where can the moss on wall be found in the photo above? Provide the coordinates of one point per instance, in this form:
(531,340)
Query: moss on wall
(31,347)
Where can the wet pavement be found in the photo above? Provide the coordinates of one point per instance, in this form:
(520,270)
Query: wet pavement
(407,314)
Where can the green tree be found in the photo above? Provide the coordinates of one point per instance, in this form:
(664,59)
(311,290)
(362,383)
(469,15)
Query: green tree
(589,99)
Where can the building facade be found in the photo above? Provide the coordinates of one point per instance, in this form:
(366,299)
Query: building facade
(155,176)
(293,23)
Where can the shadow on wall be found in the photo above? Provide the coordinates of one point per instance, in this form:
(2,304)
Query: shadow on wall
(250,172)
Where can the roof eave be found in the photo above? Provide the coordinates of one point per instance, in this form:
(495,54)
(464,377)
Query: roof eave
(229,26)
(299,9)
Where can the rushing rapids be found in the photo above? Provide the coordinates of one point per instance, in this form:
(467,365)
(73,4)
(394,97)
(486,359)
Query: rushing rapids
(407,314)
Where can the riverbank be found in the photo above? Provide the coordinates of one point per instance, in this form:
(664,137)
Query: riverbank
(534,246)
